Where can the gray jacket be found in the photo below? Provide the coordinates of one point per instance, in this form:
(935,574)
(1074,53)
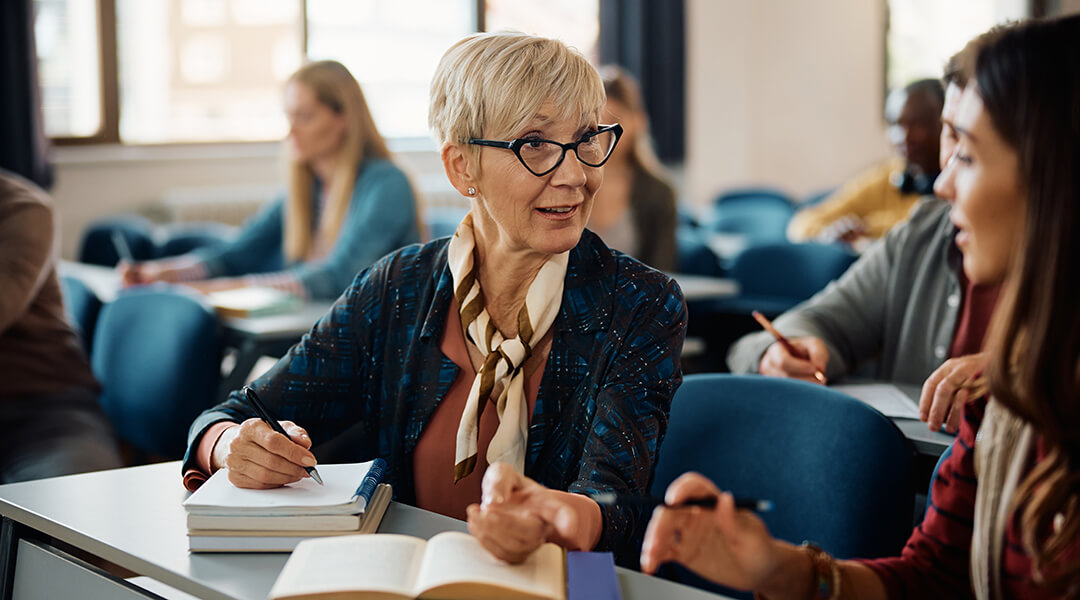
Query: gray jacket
(897,306)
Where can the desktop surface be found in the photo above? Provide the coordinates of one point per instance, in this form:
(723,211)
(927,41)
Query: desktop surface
(134,518)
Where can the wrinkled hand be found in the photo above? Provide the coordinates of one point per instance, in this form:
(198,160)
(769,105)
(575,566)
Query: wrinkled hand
(258,457)
(778,362)
(731,547)
(944,395)
(517,515)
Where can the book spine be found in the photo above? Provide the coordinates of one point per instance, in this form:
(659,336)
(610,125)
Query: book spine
(372,479)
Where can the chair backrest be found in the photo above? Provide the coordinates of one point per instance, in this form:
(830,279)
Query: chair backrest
(694,255)
(761,214)
(442,221)
(82,307)
(180,238)
(157,353)
(839,473)
(789,271)
(97,248)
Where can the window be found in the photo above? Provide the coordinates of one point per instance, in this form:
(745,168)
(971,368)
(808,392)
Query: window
(923,34)
(212,70)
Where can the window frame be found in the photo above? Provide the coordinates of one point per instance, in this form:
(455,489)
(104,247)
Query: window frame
(108,67)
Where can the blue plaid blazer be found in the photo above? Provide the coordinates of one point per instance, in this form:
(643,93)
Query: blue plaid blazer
(369,375)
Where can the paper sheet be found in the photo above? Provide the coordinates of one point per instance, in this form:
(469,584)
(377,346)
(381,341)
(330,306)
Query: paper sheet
(886,398)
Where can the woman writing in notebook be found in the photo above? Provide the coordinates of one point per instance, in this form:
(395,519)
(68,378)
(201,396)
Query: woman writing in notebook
(509,372)
(1004,520)
(347,204)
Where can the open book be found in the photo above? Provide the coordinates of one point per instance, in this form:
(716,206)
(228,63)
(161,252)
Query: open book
(253,301)
(451,565)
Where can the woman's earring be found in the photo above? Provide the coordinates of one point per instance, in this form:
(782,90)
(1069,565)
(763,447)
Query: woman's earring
(472,191)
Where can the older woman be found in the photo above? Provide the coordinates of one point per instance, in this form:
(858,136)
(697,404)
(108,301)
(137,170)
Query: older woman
(347,205)
(1004,520)
(522,340)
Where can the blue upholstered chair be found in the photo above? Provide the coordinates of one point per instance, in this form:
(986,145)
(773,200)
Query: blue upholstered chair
(839,473)
(175,239)
(775,277)
(157,352)
(82,306)
(97,248)
(761,214)
(933,477)
(442,221)
(694,255)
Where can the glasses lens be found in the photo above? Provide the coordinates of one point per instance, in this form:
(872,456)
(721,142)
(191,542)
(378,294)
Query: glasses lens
(540,156)
(595,149)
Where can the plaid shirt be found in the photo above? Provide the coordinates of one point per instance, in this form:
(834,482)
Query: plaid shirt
(370,373)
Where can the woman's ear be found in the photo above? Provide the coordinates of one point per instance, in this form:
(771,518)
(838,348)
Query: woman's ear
(458,169)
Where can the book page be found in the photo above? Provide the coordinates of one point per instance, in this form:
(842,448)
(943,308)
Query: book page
(457,566)
(386,563)
(886,398)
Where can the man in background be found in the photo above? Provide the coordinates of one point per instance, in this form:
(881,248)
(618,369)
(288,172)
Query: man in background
(878,199)
(51,419)
(904,312)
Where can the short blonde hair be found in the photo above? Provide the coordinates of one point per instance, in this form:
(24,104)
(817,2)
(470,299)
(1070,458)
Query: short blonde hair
(492,84)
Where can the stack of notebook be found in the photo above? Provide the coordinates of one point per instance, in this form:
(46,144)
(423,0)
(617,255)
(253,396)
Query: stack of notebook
(224,518)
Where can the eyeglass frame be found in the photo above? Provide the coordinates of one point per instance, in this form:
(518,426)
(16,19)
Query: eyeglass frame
(516,144)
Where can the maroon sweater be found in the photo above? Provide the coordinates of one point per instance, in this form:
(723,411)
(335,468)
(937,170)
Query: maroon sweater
(935,561)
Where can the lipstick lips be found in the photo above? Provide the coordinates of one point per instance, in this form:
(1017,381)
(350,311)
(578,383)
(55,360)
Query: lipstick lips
(558,212)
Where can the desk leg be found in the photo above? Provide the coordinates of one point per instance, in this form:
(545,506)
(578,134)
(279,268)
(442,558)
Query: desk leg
(10,534)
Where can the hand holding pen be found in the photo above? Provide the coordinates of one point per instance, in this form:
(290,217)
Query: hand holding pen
(803,358)
(262,453)
(253,399)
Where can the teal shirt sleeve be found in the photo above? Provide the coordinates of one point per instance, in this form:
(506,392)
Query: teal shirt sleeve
(381,218)
(257,248)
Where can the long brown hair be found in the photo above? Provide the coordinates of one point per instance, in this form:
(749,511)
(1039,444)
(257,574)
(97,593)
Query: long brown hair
(622,87)
(335,87)
(1029,81)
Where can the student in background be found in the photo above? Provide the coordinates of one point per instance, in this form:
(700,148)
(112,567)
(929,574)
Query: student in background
(52,422)
(905,306)
(347,203)
(869,206)
(1004,518)
(635,208)
(521,342)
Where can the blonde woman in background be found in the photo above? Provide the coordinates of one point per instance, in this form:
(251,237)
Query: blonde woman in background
(347,203)
(635,209)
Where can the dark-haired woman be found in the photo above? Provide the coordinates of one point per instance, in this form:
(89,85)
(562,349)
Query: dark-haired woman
(1005,508)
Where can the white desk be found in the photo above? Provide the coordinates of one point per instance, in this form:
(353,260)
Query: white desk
(133,518)
(699,287)
(926,442)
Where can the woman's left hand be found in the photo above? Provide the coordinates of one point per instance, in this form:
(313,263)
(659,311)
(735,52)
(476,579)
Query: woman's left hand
(517,515)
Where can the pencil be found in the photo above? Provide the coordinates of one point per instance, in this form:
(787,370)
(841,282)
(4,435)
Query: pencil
(705,502)
(257,404)
(792,350)
(122,248)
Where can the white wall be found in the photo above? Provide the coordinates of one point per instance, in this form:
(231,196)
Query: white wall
(782,92)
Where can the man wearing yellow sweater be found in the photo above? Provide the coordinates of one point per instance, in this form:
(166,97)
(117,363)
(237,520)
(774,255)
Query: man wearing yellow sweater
(869,205)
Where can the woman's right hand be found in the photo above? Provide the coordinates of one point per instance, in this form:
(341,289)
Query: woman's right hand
(134,273)
(731,547)
(258,457)
(778,362)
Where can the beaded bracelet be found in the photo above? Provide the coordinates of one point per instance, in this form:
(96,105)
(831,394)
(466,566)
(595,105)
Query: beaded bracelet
(826,574)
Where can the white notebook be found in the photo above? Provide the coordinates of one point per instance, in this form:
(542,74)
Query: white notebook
(347,489)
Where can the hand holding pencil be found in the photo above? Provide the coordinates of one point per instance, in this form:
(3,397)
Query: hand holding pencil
(799,358)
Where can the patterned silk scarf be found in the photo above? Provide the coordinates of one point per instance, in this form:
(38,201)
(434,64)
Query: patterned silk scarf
(501,370)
